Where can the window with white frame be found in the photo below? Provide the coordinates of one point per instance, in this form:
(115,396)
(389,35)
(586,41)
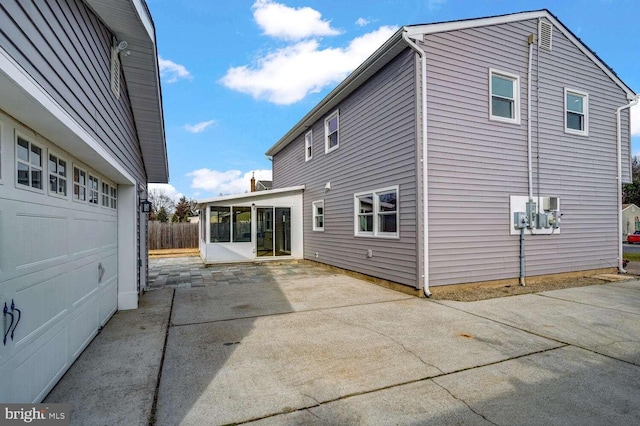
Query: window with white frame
(79,184)
(57,175)
(504,102)
(28,163)
(113,197)
(105,194)
(318,215)
(332,132)
(576,116)
(376,213)
(92,188)
(308,145)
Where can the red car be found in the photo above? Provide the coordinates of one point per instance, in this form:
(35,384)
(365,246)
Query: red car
(633,238)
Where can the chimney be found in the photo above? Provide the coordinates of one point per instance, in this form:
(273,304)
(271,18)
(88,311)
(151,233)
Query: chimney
(253,182)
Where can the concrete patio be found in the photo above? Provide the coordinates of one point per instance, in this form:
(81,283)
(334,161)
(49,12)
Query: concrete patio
(299,344)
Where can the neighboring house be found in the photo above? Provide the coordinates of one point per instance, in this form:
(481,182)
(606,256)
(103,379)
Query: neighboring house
(81,135)
(630,218)
(416,163)
(264,185)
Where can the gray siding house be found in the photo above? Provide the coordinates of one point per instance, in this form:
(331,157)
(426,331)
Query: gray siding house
(416,164)
(81,135)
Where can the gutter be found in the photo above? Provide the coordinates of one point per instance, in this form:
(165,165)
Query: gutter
(635,100)
(425,180)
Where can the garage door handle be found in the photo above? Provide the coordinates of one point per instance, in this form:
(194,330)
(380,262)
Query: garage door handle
(6,311)
(13,308)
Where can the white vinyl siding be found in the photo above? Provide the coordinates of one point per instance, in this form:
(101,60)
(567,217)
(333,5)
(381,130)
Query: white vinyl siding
(29,164)
(308,145)
(318,215)
(576,112)
(332,132)
(376,213)
(504,97)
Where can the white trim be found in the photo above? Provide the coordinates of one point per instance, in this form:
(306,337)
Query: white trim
(335,114)
(308,145)
(314,215)
(2,169)
(258,194)
(73,185)
(66,176)
(376,211)
(585,112)
(516,96)
(90,178)
(43,169)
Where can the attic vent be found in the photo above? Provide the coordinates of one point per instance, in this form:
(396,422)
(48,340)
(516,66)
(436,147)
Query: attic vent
(545,31)
(115,72)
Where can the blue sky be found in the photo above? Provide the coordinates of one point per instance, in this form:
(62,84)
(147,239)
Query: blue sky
(238,74)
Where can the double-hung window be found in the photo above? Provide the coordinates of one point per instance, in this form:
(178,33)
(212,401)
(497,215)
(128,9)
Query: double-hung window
(332,132)
(576,117)
(28,163)
(308,145)
(79,184)
(504,102)
(318,215)
(57,175)
(376,213)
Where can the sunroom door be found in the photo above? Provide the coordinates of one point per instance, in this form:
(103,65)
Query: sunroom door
(273,231)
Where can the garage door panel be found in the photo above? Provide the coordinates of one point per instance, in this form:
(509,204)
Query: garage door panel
(39,366)
(83,325)
(84,236)
(84,282)
(108,300)
(39,241)
(109,233)
(42,305)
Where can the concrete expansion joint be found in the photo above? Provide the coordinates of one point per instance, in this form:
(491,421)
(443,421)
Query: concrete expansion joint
(154,406)
(464,402)
(587,304)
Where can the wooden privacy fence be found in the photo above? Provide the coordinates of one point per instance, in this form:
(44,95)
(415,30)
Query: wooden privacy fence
(172,235)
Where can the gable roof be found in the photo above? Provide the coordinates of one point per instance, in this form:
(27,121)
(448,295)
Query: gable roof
(396,44)
(130,20)
(626,206)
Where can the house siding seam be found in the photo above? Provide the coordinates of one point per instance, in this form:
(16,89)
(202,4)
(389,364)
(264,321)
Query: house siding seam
(377,150)
(66,49)
(475,164)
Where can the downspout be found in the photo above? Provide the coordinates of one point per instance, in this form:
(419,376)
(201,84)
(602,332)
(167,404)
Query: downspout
(619,182)
(425,187)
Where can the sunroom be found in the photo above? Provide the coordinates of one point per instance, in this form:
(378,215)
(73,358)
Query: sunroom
(256,226)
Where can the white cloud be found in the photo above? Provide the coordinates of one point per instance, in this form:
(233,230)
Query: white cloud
(435,4)
(166,189)
(226,183)
(289,74)
(199,127)
(172,72)
(361,22)
(288,23)
(635,120)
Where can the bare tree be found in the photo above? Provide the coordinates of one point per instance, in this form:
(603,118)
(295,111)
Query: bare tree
(160,201)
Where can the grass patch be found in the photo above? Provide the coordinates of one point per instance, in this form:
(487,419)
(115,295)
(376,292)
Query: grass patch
(633,257)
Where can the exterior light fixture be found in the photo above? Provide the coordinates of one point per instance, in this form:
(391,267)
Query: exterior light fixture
(145,206)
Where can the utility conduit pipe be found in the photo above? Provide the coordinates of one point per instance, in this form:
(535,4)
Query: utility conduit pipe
(619,181)
(425,188)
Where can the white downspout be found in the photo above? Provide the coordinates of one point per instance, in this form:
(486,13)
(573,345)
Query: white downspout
(425,181)
(529,165)
(619,182)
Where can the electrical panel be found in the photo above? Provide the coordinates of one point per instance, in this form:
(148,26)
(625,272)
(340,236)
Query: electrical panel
(537,215)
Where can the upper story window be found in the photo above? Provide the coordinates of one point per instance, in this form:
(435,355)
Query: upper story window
(308,145)
(79,184)
(318,215)
(332,132)
(505,97)
(377,213)
(576,116)
(57,175)
(28,163)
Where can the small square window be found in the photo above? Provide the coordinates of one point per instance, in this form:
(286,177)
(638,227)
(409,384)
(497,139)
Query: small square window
(114,197)
(377,213)
(308,145)
(57,176)
(105,194)
(29,167)
(79,184)
(93,190)
(504,102)
(576,118)
(318,215)
(332,132)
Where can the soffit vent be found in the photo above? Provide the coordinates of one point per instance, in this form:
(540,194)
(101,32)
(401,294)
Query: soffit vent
(545,32)
(115,72)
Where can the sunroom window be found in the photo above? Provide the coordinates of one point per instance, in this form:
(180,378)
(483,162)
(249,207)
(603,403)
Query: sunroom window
(220,224)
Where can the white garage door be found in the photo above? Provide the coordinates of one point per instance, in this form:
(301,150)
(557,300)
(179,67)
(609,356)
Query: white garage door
(58,270)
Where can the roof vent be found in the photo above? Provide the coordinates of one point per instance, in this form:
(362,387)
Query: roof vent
(115,72)
(545,31)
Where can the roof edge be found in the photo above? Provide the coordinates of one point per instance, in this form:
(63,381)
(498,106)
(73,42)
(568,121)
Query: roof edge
(251,194)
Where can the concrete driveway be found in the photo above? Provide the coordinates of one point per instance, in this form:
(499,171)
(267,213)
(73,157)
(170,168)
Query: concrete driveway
(298,344)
